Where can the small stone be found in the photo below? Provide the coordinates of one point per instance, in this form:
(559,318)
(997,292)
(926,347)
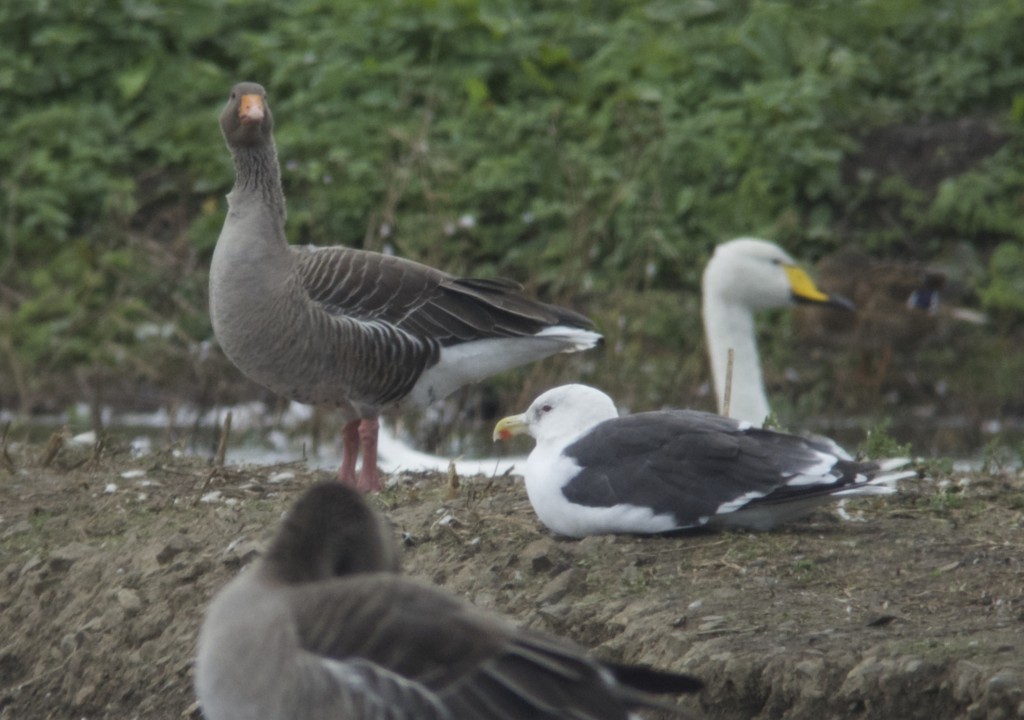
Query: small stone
(811,667)
(129,601)
(556,613)
(539,555)
(19,528)
(85,438)
(176,545)
(591,543)
(83,694)
(968,678)
(712,622)
(149,651)
(63,558)
(244,552)
(913,665)
(45,585)
(1003,694)
(95,624)
(71,642)
(571,581)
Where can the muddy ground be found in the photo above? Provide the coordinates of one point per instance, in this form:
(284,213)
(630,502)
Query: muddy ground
(914,611)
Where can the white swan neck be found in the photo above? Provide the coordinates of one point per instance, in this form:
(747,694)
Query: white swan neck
(728,325)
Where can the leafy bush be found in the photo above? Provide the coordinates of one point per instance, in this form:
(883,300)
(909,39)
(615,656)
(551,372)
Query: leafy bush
(595,151)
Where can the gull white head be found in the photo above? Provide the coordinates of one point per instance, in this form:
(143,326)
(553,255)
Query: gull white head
(559,414)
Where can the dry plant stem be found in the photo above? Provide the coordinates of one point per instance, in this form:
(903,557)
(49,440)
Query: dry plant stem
(222,446)
(53,446)
(727,395)
(453,481)
(218,461)
(5,456)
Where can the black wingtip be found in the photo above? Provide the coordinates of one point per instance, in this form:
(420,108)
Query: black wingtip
(655,682)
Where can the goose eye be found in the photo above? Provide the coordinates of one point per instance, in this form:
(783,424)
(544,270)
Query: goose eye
(545,408)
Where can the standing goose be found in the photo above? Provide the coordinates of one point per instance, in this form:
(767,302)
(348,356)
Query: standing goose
(324,627)
(743,276)
(353,329)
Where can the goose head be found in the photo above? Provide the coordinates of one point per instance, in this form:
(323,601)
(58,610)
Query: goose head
(330,532)
(758,275)
(246,120)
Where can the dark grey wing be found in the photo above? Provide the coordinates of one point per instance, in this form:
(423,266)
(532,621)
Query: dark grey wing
(807,467)
(355,688)
(411,646)
(537,676)
(423,301)
(693,465)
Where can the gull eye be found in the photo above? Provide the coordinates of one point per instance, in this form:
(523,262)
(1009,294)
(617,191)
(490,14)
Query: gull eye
(545,408)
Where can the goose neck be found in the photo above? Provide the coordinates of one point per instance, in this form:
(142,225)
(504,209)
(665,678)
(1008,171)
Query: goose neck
(258,175)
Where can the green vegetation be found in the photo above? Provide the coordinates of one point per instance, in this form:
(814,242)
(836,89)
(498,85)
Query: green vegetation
(947,499)
(879,444)
(596,151)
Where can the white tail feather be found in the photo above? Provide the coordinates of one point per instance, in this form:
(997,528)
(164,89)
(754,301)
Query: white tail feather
(576,338)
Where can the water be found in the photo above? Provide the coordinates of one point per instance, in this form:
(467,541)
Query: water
(261,437)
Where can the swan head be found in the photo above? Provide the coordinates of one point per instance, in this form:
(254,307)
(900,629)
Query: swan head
(757,274)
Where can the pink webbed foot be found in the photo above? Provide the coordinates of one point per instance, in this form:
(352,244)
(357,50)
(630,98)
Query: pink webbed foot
(369,480)
(356,435)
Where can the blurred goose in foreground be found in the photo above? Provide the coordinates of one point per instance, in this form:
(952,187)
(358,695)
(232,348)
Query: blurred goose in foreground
(325,627)
(353,329)
(593,472)
(743,276)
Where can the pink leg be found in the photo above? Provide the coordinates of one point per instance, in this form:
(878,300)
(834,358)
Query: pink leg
(349,453)
(368,478)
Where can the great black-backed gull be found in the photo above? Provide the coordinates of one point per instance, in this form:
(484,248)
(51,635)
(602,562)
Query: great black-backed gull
(593,472)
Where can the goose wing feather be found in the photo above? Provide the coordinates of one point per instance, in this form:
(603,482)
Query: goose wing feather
(420,300)
(479,666)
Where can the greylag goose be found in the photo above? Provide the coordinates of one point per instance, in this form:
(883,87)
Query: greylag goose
(324,626)
(593,472)
(353,329)
(743,276)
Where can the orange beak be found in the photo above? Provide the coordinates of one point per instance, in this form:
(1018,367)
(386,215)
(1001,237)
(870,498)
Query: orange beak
(250,110)
(509,427)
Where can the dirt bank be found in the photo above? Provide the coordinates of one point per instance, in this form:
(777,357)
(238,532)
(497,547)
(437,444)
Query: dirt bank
(915,611)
